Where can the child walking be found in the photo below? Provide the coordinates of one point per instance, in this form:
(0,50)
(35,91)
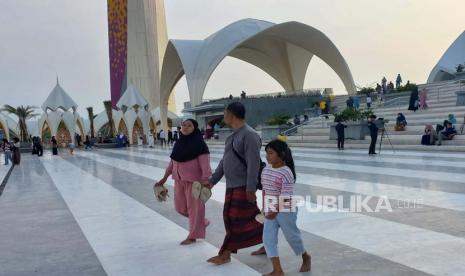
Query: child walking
(278,179)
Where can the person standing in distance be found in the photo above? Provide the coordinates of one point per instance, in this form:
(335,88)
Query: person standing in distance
(373,133)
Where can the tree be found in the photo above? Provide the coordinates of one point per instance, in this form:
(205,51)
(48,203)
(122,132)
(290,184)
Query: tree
(23,113)
(459,68)
(109,111)
(90,111)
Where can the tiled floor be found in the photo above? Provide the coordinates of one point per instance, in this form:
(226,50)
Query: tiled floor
(94,214)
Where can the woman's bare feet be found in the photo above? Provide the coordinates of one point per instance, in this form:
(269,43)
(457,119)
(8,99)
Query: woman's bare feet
(188,241)
(222,258)
(306,263)
(260,251)
(275,273)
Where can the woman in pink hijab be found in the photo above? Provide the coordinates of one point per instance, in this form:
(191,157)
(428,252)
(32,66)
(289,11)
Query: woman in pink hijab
(423,98)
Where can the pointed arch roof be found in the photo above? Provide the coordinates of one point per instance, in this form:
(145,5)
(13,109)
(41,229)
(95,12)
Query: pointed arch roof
(58,98)
(132,98)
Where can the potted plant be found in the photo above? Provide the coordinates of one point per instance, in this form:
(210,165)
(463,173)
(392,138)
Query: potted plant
(275,125)
(356,121)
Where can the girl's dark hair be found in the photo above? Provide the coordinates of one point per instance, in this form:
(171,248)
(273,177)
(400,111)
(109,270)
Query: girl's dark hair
(284,153)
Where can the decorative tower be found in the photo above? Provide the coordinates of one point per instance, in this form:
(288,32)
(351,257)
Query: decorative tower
(137,39)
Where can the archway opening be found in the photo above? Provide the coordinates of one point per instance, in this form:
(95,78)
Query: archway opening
(63,135)
(46,133)
(321,75)
(122,128)
(138,132)
(79,133)
(104,131)
(170,123)
(153,127)
(240,76)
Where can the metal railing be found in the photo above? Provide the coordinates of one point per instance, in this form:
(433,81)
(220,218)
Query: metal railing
(294,129)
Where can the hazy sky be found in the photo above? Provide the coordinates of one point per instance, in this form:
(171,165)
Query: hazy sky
(40,39)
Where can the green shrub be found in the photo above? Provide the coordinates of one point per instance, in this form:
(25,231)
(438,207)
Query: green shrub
(365,90)
(408,87)
(277,120)
(459,68)
(350,114)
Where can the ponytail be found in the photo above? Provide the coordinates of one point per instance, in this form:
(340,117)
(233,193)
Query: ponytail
(290,162)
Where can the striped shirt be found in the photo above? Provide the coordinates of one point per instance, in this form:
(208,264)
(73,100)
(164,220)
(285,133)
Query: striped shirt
(6,147)
(278,182)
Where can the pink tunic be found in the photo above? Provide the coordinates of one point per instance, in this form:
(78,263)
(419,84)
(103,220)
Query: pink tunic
(194,170)
(184,173)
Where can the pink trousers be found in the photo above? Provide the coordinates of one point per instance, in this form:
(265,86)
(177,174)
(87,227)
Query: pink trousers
(193,209)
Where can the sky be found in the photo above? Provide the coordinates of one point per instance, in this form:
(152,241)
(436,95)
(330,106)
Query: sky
(41,40)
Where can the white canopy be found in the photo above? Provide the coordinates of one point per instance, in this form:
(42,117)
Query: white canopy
(445,68)
(284,51)
(58,98)
(132,98)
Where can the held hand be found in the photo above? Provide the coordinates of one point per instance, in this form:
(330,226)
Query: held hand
(161,182)
(271,215)
(207,184)
(251,197)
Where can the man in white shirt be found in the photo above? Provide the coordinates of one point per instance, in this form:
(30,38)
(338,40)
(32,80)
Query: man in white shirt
(162,138)
(369,101)
(151,140)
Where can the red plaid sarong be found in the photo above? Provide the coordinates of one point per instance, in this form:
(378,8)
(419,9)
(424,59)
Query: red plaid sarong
(242,230)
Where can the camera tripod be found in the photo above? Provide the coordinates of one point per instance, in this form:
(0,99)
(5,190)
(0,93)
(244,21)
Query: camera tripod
(384,132)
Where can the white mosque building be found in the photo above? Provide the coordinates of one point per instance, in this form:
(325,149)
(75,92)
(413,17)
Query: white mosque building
(60,118)
(133,117)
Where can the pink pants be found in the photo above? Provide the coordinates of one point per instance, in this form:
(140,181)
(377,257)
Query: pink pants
(194,209)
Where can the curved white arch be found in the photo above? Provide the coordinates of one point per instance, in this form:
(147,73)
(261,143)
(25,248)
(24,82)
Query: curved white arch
(281,50)
(5,127)
(445,68)
(10,125)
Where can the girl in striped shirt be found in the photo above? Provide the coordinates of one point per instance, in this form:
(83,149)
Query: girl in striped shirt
(278,179)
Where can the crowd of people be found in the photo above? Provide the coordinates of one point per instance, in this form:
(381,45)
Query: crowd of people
(245,223)
(166,138)
(444,131)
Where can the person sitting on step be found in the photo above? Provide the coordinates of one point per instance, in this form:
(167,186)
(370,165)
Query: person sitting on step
(430,136)
(401,122)
(447,134)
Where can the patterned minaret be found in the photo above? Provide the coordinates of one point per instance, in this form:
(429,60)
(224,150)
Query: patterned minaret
(138,39)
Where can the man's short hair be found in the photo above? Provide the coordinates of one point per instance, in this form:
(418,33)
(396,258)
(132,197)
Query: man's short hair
(373,116)
(237,109)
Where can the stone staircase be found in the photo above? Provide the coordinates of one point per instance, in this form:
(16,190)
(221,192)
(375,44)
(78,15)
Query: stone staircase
(441,101)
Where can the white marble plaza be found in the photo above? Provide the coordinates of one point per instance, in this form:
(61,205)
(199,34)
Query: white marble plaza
(94,213)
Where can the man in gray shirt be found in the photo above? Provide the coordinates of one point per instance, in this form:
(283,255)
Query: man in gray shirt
(240,165)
